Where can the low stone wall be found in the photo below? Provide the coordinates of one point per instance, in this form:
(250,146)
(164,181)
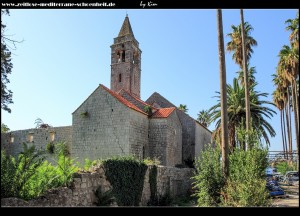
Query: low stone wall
(176,180)
(80,193)
(82,190)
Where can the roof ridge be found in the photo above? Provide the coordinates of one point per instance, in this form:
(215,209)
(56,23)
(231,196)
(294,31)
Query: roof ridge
(138,99)
(123,100)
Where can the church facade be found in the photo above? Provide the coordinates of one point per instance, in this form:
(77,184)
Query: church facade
(116,122)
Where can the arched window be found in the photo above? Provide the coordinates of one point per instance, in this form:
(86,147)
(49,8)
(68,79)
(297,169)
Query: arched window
(120,77)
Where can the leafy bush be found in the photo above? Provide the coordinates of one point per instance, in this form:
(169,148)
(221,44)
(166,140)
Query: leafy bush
(8,173)
(50,148)
(126,175)
(16,173)
(149,162)
(29,175)
(246,185)
(284,166)
(208,181)
(62,149)
(153,185)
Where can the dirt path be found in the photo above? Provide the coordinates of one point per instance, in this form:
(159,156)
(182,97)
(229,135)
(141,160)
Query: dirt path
(291,199)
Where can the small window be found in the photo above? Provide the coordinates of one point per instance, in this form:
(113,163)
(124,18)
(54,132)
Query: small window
(52,136)
(120,77)
(118,57)
(12,139)
(123,56)
(30,137)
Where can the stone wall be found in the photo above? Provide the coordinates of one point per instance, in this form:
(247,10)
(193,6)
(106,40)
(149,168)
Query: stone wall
(40,138)
(187,123)
(138,133)
(203,137)
(104,132)
(188,136)
(177,181)
(165,141)
(82,191)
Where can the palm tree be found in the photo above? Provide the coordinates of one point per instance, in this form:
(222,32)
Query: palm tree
(204,118)
(251,78)
(289,66)
(183,108)
(237,114)
(283,86)
(223,97)
(293,26)
(235,45)
(241,46)
(279,102)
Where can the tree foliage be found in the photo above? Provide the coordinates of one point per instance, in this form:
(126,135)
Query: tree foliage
(204,117)
(4,128)
(183,108)
(6,67)
(126,175)
(235,45)
(209,180)
(237,115)
(245,185)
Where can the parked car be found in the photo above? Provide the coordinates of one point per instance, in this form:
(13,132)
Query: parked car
(278,177)
(291,177)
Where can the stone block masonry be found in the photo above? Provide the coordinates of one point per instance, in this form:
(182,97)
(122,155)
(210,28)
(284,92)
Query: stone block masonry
(109,129)
(13,141)
(84,185)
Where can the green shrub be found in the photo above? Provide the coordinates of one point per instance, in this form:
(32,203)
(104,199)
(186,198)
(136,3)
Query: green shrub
(284,166)
(208,182)
(16,173)
(153,185)
(8,173)
(30,176)
(50,148)
(246,185)
(62,148)
(126,175)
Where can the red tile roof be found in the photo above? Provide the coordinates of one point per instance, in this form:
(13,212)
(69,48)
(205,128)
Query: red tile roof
(123,100)
(163,113)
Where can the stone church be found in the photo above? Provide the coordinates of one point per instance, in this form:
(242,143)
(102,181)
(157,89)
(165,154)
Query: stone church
(116,121)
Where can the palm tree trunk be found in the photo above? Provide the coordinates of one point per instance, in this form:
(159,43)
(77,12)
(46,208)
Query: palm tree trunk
(294,93)
(224,116)
(283,143)
(248,145)
(289,124)
(284,131)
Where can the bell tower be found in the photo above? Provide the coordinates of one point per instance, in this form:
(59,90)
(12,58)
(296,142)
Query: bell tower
(126,61)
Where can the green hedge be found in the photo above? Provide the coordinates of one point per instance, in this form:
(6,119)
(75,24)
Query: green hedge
(126,175)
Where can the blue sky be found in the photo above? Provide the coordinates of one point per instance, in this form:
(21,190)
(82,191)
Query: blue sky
(65,55)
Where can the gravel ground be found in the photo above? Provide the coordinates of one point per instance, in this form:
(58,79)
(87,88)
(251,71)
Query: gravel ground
(291,198)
